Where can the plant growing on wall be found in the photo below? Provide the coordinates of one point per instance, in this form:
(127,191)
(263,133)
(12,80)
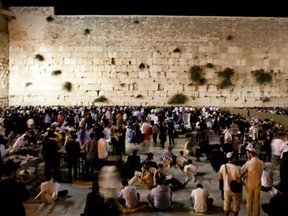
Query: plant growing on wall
(100,99)
(49,19)
(227,73)
(142,65)
(139,96)
(67,86)
(262,77)
(86,31)
(209,65)
(229,37)
(196,75)
(56,72)
(39,57)
(266,99)
(178,99)
(28,84)
(176,50)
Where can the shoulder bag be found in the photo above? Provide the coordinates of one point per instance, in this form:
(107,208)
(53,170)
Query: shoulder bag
(235,186)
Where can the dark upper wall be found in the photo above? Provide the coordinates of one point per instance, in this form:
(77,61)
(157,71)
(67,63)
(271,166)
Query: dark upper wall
(159,7)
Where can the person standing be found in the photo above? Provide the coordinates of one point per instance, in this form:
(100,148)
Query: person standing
(252,171)
(201,199)
(73,152)
(50,151)
(163,133)
(228,172)
(103,151)
(91,151)
(12,191)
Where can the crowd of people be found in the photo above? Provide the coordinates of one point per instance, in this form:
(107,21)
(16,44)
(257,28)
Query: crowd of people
(236,146)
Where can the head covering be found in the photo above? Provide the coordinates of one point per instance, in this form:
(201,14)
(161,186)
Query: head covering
(95,186)
(229,155)
(146,166)
(250,149)
(150,155)
(9,167)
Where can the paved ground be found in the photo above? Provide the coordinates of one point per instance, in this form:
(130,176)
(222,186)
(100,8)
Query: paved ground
(74,203)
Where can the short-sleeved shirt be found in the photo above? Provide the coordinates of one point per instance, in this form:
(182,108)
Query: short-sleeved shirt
(161,196)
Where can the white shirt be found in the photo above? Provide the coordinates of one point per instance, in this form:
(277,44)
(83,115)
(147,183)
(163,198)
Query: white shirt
(200,198)
(3,151)
(103,148)
(129,193)
(277,146)
(190,170)
(266,180)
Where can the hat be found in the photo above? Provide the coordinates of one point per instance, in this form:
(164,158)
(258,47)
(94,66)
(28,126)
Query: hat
(145,166)
(229,155)
(95,186)
(250,149)
(9,167)
(150,155)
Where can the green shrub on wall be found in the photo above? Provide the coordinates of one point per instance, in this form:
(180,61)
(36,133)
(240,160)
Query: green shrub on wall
(56,72)
(139,96)
(227,73)
(39,57)
(178,99)
(28,84)
(101,99)
(195,73)
(67,86)
(266,99)
(262,77)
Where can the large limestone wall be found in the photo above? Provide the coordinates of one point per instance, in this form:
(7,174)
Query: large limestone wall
(106,60)
(4,59)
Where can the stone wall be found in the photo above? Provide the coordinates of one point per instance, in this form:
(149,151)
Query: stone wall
(4,59)
(101,55)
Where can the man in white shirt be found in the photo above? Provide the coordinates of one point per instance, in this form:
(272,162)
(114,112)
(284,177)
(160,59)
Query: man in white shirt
(50,192)
(200,199)
(128,195)
(161,196)
(190,170)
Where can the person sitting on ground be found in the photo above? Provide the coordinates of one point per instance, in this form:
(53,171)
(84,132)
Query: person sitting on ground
(161,196)
(169,178)
(181,160)
(95,202)
(190,147)
(201,200)
(168,157)
(190,170)
(13,192)
(266,180)
(128,195)
(50,192)
(148,161)
(145,177)
(278,203)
